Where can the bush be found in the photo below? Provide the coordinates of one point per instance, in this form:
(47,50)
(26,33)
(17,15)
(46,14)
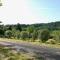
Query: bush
(51,41)
(24,35)
(30,29)
(34,35)
(14,33)
(56,35)
(8,34)
(45,34)
(17,34)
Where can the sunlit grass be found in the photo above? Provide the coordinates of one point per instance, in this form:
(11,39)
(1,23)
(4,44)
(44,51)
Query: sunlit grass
(8,54)
(37,42)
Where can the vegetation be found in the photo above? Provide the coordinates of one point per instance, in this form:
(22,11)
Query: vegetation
(51,41)
(11,54)
(0,3)
(45,35)
(8,34)
(43,31)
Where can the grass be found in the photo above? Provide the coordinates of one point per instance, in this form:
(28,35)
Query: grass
(32,43)
(8,54)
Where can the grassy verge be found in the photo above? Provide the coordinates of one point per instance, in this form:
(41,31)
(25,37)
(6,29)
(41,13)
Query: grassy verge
(8,54)
(33,43)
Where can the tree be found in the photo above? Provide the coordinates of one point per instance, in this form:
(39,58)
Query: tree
(18,27)
(10,27)
(17,34)
(39,34)
(45,34)
(0,3)
(24,35)
(34,35)
(30,29)
(0,21)
(1,32)
(14,33)
(56,35)
(8,34)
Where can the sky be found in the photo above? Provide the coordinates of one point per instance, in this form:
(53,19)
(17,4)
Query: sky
(29,11)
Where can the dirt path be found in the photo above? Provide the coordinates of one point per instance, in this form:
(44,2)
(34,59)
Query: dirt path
(40,51)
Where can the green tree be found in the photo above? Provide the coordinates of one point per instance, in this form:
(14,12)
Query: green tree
(0,21)
(34,35)
(0,3)
(45,34)
(30,29)
(18,27)
(8,34)
(14,33)
(17,34)
(1,32)
(24,35)
(56,35)
(39,34)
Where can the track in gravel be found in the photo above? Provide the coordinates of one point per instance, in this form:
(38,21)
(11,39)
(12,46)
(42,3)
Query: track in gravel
(45,52)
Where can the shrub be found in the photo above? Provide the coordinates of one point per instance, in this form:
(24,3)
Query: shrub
(14,33)
(17,34)
(24,35)
(51,41)
(45,34)
(34,35)
(8,34)
(30,29)
(56,35)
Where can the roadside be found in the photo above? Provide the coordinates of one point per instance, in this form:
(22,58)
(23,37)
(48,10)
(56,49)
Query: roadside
(45,52)
(10,54)
(29,42)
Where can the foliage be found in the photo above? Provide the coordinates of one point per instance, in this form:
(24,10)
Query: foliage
(0,3)
(30,29)
(18,27)
(39,34)
(40,31)
(8,34)
(17,34)
(34,35)
(56,35)
(24,35)
(1,32)
(45,35)
(14,33)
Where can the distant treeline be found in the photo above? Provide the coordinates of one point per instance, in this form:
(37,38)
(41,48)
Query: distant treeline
(42,31)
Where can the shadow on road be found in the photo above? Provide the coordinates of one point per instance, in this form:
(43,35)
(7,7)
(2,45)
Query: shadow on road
(47,56)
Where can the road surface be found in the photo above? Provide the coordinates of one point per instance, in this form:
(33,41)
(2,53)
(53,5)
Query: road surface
(40,51)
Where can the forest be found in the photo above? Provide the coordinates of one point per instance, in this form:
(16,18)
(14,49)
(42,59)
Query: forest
(45,32)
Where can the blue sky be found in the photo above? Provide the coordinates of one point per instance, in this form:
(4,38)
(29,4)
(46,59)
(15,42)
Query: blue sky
(29,11)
